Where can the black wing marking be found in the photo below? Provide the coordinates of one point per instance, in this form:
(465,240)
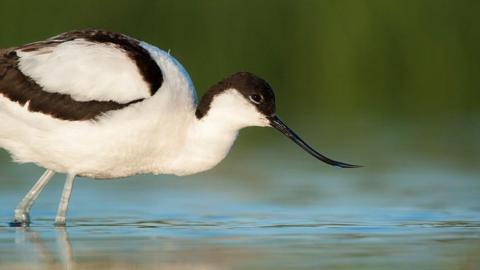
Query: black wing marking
(150,71)
(17,87)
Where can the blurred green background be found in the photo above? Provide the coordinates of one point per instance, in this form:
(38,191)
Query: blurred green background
(377,77)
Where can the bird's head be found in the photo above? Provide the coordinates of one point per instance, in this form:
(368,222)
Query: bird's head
(243,100)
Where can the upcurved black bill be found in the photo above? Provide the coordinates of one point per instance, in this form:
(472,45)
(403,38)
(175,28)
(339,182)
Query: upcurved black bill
(280,126)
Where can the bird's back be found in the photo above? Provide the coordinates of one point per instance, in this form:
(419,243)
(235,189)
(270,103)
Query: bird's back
(90,99)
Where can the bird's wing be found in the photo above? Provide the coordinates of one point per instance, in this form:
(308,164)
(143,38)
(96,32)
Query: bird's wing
(79,75)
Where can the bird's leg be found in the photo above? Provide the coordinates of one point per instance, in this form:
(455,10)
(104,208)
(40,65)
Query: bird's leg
(60,219)
(21,211)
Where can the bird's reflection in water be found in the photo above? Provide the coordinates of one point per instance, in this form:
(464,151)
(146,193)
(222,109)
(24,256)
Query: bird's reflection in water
(65,248)
(28,239)
(52,249)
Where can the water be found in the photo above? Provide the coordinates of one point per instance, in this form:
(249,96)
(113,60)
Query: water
(257,210)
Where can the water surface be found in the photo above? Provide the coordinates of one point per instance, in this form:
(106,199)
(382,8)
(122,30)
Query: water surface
(256,211)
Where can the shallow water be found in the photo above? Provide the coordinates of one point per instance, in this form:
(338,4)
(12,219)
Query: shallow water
(255,211)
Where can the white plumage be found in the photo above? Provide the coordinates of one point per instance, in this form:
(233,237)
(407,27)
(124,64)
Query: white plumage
(122,142)
(88,71)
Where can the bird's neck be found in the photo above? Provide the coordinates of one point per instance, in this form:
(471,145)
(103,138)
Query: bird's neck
(207,142)
(212,130)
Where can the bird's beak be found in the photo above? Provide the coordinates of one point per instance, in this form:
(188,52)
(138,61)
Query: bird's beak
(276,123)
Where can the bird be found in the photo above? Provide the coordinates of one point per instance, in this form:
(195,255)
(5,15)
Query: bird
(103,105)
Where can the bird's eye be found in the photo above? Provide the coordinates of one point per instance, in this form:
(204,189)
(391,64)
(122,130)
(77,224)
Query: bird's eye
(257,99)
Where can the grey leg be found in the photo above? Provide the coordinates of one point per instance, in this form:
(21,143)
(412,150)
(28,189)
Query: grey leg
(60,219)
(23,208)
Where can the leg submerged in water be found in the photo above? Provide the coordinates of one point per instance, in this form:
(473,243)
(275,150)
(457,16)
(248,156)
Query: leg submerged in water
(23,208)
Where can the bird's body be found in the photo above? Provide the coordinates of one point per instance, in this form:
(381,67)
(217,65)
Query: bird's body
(104,105)
(159,134)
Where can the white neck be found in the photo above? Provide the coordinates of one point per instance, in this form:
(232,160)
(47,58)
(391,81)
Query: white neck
(207,143)
(209,139)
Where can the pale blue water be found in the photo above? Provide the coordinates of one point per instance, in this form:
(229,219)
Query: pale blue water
(258,210)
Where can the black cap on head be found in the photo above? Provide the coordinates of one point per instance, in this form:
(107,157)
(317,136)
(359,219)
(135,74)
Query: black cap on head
(253,88)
